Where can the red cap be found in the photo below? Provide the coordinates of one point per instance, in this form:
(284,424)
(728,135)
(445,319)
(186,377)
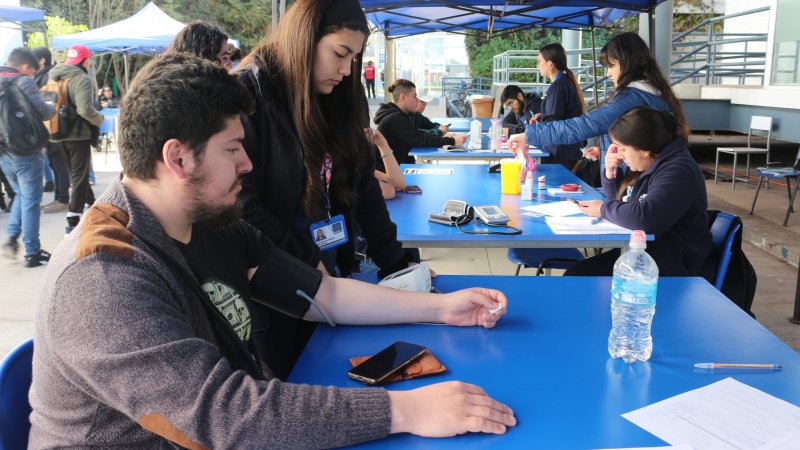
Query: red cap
(77,53)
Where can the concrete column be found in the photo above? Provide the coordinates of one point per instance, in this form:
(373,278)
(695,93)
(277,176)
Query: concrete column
(388,69)
(663,35)
(571,40)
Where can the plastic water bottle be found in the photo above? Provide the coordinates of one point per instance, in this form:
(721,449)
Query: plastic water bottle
(475,130)
(495,134)
(633,302)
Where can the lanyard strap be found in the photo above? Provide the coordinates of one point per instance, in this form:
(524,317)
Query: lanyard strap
(325,177)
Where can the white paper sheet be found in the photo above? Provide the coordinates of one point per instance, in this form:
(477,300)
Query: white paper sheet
(583,225)
(559,191)
(418,171)
(554,209)
(673,447)
(721,416)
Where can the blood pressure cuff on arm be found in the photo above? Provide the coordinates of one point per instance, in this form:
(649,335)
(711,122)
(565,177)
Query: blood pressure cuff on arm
(279,277)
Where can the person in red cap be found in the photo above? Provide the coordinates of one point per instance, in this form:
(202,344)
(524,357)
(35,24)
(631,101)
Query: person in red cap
(77,144)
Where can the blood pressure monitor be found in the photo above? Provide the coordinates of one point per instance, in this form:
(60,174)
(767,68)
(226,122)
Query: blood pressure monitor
(490,214)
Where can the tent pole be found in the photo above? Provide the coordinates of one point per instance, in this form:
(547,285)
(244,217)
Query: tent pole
(125,60)
(594,68)
(651,26)
(275,14)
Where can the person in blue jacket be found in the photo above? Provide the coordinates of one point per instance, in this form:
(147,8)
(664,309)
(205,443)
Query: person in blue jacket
(563,100)
(637,82)
(662,192)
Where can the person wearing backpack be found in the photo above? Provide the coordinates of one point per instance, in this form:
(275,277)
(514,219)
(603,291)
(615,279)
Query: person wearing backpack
(54,152)
(22,139)
(77,142)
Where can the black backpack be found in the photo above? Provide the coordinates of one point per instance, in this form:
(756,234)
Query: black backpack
(21,128)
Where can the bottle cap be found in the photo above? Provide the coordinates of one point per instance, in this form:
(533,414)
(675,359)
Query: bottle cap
(638,239)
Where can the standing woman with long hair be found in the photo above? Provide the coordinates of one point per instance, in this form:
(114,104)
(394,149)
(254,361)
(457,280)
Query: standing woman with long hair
(637,82)
(563,100)
(313,165)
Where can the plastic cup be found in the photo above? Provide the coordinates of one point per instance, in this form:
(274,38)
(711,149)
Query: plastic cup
(509,176)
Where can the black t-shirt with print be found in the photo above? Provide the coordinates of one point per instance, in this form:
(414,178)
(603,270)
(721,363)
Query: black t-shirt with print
(220,260)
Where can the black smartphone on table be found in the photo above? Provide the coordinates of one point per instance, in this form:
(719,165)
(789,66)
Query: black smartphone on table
(386,362)
(413,189)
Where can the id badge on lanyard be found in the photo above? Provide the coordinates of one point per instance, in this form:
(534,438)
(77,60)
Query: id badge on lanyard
(331,232)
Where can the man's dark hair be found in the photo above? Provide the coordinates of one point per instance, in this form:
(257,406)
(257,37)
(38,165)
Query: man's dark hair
(20,56)
(176,96)
(399,87)
(43,52)
(509,92)
(200,38)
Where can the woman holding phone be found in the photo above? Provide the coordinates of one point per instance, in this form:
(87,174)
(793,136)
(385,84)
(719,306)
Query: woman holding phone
(313,165)
(563,100)
(662,192)
(637,82)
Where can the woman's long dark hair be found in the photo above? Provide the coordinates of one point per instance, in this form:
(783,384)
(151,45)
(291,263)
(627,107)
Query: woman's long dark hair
(332,123)
(643,128)
(636,63)
(556,54)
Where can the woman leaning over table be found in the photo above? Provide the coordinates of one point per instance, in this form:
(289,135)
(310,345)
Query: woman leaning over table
(662,192)
(637,82)
(311,158)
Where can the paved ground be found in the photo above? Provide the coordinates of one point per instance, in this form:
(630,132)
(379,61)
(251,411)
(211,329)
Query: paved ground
(769,247)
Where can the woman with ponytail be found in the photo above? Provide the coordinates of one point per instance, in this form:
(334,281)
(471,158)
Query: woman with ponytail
(662,191)
(563,100)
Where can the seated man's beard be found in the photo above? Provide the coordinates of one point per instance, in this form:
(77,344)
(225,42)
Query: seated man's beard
(215,217)
(219,218)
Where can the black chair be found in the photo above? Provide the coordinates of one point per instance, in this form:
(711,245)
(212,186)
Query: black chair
(544,258)
(780,172)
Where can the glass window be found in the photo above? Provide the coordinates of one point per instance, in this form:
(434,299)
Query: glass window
(786,55)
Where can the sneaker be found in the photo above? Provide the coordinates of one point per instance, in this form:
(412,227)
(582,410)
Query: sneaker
(10,249)
(55,207)
(37,259)
(49,187)
(72,222)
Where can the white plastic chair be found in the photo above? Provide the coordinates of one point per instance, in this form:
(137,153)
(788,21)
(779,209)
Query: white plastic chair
(757,123)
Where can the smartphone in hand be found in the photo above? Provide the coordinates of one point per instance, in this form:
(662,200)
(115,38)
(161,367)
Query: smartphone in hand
(386,362)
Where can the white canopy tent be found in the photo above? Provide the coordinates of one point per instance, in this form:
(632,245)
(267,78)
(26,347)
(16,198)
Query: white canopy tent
(148,31)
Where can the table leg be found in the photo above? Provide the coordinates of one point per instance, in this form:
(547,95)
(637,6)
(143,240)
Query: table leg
(733,179)
(796,317)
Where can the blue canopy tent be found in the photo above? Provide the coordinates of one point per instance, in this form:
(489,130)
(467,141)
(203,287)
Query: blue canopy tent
(148,31)
(400,18)
(15,17)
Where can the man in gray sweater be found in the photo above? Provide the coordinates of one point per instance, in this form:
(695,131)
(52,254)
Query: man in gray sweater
(143,333)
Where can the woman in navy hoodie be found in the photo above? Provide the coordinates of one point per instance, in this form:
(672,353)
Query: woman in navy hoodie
(662,192)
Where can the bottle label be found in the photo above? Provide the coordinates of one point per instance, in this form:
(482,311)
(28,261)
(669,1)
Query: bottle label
(634,293)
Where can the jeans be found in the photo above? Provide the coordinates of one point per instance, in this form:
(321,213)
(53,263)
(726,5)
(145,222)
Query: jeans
(58,161)
(47,172)
(24,173)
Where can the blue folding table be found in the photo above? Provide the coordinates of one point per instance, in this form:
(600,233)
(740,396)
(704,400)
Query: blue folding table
(473,184)
(547,359)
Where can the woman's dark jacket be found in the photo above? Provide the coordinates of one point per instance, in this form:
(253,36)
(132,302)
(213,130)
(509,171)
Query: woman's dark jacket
(272,193)
(668,201)
(562,102)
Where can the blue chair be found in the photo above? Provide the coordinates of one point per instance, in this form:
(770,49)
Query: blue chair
(780,172)
(544,258)
(15,381)
(106,134)
(722,235)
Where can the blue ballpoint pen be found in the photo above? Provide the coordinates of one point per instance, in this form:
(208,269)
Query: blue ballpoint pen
(596,220)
